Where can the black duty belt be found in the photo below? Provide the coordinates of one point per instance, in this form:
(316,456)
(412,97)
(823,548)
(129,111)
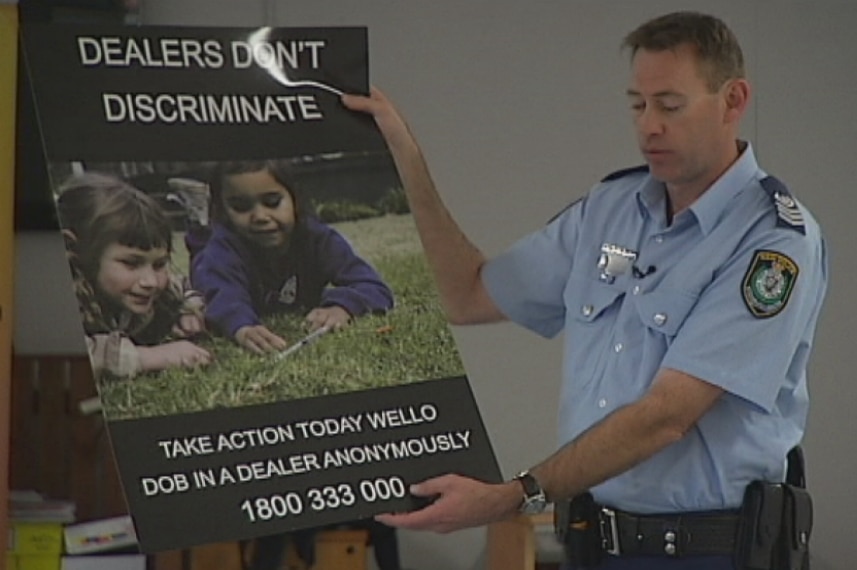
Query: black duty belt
(681,534)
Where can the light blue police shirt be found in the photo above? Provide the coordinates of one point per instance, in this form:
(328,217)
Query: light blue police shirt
(694,300)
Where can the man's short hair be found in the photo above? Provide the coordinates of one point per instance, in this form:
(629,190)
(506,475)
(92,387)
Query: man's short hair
(716,46)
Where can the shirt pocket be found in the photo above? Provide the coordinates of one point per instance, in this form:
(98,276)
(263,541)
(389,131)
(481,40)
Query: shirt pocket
(588,301)
(664,311)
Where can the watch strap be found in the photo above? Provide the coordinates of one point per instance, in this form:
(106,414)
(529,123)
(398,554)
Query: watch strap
(534,500)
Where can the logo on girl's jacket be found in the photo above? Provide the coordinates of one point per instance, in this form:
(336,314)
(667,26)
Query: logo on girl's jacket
(289,291)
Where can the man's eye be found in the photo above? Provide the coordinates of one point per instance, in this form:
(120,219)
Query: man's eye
(638,106)
(160,264)
(131,263)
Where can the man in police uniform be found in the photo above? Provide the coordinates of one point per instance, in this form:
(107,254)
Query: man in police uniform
(688,291)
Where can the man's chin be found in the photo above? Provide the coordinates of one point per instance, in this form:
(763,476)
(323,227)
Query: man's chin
(661,173)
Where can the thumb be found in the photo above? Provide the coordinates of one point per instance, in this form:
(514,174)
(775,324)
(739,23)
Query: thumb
(428,488)
(356,102)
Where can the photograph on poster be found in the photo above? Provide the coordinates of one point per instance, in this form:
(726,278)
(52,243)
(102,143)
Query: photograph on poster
(221,284)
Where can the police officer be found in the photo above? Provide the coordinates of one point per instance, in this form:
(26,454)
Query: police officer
(688,292)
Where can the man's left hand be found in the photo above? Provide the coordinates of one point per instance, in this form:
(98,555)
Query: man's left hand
(459,502)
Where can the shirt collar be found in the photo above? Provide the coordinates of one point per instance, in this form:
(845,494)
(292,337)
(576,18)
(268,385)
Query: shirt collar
(708,208)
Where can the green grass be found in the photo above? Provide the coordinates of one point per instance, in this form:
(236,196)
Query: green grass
(411,343)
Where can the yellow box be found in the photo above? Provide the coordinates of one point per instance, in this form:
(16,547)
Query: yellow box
(38,561)
(35,538)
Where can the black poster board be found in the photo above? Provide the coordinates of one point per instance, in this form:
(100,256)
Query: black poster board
(331,431)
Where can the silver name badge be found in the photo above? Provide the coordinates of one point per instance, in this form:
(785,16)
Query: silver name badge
(614,261)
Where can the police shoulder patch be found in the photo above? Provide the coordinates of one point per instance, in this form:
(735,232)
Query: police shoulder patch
(625,172)
(768,283)
(788,212)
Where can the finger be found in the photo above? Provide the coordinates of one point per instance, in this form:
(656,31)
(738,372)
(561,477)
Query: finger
(251,345)
(314,322)
(188,361)
(270,342)
(428,518)
(203,356)
(264,345)
(357,103)
(430,487)
(376,94)
(274,342)
(389,519)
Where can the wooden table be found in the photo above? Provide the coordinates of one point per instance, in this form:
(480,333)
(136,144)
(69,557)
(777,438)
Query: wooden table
(512,542)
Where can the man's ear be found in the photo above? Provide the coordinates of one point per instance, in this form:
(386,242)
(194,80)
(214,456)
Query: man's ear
(737,97)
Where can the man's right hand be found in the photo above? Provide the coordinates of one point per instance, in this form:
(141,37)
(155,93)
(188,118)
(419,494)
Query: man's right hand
(389,122)
(458,502)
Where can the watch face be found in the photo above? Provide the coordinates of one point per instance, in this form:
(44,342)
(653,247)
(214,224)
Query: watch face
(534,496)
(533,505)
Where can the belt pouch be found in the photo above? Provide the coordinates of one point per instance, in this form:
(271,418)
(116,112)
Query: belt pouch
(761,515)
(577,527)
(797,525)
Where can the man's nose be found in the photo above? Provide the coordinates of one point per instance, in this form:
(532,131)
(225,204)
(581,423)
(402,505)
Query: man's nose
(649,122)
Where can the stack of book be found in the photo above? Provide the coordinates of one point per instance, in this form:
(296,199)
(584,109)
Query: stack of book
(43,535)
(106,544)
(36,531)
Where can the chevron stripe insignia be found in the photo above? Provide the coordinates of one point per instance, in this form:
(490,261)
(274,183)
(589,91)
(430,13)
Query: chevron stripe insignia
(788,211)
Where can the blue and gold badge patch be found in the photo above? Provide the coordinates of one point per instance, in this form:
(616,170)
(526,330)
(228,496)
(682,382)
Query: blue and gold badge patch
(768,283)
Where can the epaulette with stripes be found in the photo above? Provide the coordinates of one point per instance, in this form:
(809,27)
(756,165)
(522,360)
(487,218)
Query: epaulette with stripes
(788,213)
(625,172)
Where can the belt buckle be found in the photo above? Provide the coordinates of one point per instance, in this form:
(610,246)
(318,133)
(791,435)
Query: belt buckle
(609,531)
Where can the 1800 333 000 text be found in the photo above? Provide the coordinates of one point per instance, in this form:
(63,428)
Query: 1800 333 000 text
(324,498)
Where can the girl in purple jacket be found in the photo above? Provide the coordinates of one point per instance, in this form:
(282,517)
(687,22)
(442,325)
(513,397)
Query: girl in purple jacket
(265,255)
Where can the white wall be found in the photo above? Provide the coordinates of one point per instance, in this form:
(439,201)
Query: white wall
(520,108)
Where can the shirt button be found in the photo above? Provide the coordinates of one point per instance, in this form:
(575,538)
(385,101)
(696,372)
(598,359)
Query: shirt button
(636,290)
(602,403)
(660,319)
(586,310)
(659,239)
(618,347)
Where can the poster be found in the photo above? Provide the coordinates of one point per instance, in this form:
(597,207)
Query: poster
(212,177)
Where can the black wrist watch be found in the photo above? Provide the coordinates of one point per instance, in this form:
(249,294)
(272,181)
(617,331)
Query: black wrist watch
(535,500)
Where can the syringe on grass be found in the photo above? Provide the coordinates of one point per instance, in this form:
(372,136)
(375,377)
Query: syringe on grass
(307,340)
